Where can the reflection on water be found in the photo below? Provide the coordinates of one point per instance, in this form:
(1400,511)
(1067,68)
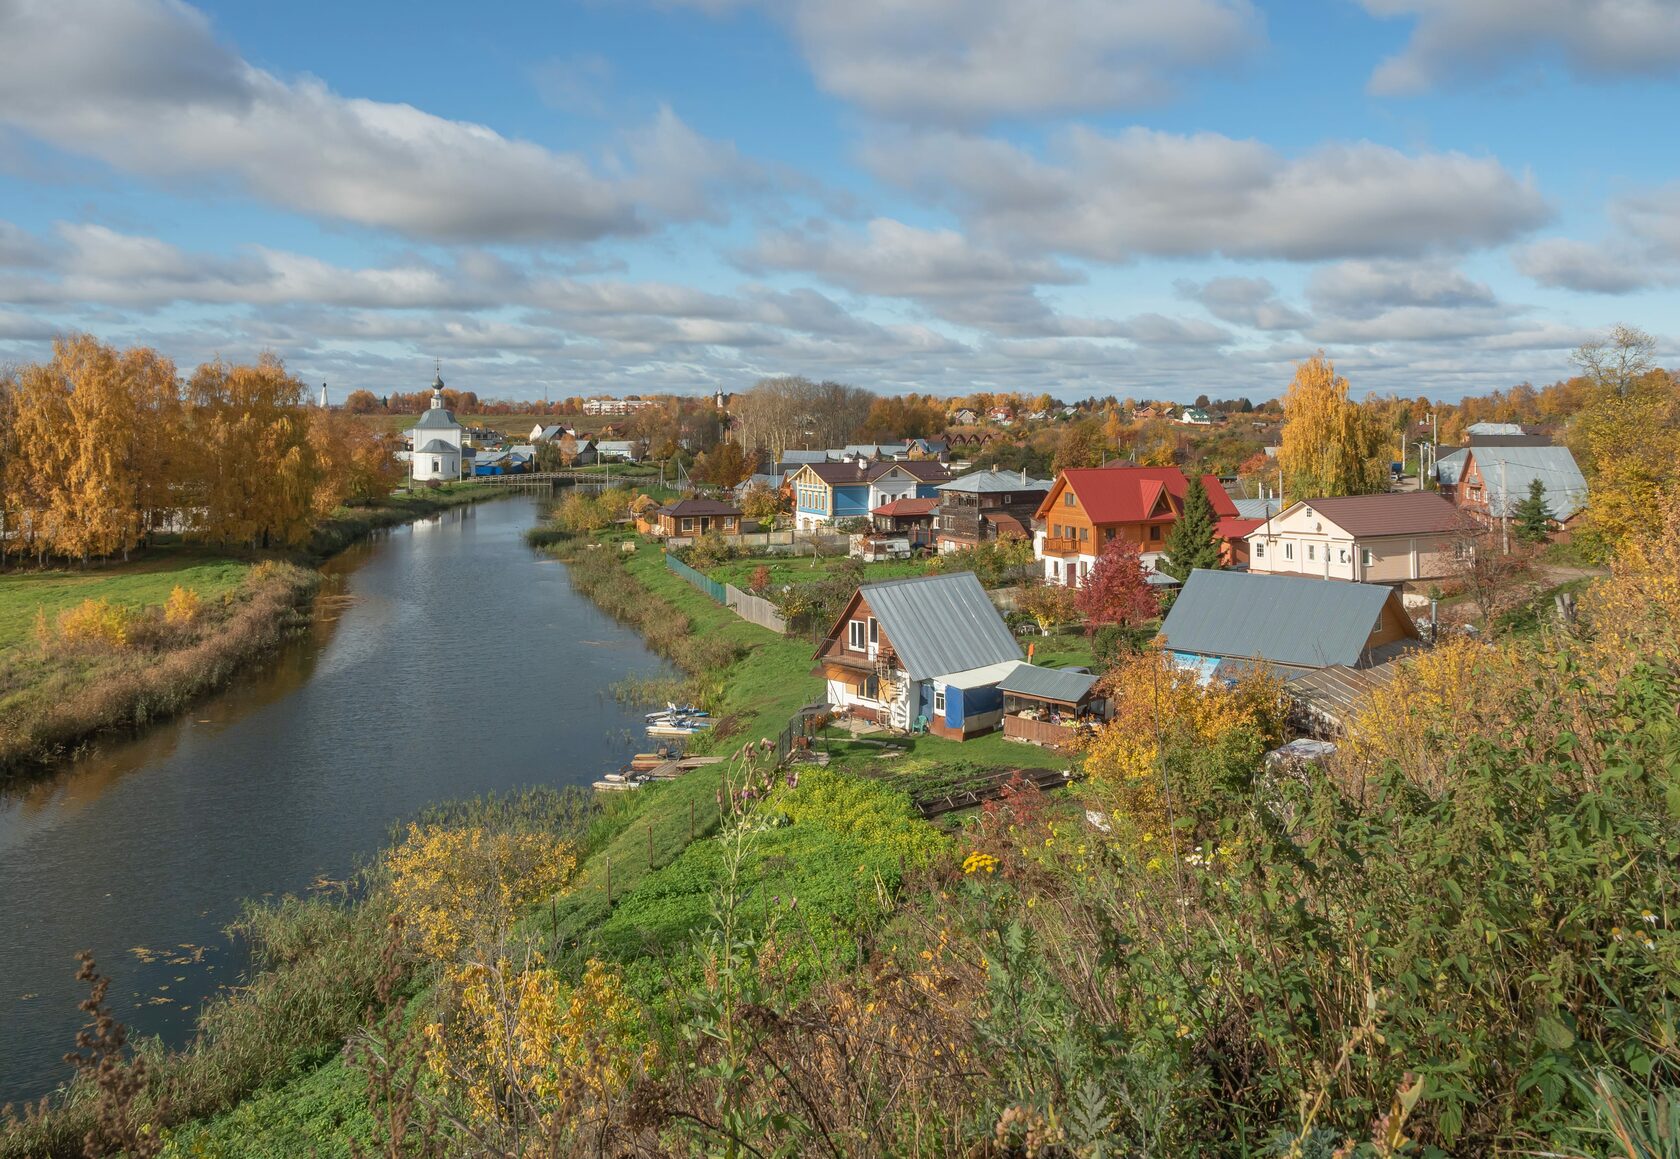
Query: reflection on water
(445,660)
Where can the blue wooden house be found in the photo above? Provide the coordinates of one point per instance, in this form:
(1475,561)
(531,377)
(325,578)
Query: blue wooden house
(824,493)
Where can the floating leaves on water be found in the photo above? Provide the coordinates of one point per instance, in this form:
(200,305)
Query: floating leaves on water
(145,954)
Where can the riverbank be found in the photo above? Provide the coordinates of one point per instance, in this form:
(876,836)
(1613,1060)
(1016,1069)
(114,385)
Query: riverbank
(132,653)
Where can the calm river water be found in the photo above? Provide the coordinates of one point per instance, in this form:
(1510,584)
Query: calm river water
(447,660)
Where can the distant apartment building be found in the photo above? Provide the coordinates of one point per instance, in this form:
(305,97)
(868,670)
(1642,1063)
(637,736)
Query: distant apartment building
(616,406)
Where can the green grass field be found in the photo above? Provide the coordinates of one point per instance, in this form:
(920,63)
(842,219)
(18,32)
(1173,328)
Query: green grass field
(136,585)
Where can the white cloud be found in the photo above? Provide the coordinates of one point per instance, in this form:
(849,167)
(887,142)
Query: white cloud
(1641,252)
(1251,302)
(144,85)
(972,60)
(1363,288)
(1142,192)
(1459,40)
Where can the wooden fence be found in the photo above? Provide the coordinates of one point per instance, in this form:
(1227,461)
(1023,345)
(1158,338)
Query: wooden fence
(754,609)
(750,608)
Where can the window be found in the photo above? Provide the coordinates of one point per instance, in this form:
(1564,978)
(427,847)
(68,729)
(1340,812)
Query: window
(1341,555)
(1155,534)
(1259,549)
(1067,498)
(1289,551)
(874,632)
(688,523)
(939,701)
(854,635)
(1377,627)
(1366,557)
(870,689)
(1084,534)
(1108,535)
(1312,551)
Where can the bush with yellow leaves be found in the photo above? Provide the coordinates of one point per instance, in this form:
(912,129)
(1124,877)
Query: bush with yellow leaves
(457,888)
(182,607)
(96,622)
(527,1055)
(1163,715)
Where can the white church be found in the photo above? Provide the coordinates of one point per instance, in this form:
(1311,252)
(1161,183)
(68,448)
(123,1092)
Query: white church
(437,442)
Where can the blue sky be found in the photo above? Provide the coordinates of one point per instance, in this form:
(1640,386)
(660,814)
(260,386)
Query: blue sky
(1087,197)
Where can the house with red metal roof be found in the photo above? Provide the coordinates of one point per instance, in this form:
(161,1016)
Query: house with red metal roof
(1089,507)
(1386,538)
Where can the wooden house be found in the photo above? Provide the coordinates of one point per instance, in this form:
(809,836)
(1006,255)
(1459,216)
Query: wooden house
(921,653)
(690,517)
(1089,507)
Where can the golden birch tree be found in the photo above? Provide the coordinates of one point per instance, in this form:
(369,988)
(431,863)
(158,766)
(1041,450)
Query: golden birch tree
(1331,445)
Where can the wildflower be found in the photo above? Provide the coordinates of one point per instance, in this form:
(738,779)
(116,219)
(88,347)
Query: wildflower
(978,862)
(1648,917)
(1616,933)
(1648,943)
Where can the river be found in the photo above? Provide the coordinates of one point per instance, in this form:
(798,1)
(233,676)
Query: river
(446,659)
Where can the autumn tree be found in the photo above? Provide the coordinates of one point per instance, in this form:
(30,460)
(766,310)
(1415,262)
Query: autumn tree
(362,402)
(1082,444)
(1618,361)
(1626,438)
(1193,541)
(1049,605)
(725,465)
(1331,445)
(258,469)
(1493,581)
(760,503)
(1156,444)
(1117,590)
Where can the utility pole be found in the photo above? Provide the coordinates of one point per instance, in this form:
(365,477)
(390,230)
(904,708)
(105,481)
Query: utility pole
(1504,516)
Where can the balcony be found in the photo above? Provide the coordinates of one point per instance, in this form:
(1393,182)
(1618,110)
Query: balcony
(1060,545)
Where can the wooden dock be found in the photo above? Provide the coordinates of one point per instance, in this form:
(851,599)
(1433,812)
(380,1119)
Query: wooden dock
(668,770)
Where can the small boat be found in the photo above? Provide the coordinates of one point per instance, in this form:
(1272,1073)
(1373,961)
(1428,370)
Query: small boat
(679,726)
(606,786)
(671,710)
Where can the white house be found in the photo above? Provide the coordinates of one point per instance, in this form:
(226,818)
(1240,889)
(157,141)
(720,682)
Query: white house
(437,442)
(1383,538)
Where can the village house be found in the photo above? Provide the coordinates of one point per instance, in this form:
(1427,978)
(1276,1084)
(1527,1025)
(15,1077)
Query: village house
(690,517)
(921,653)
(436,439)
(1488,482)
(1195,416)
(1225,621)
(1001,415)
(965,417)
(909,519)
(1088,507)
(825,493)
(987,505)
(1384,538)
(550,432)
(619,450)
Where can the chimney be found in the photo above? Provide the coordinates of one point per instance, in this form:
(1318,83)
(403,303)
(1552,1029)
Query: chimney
(1023,476)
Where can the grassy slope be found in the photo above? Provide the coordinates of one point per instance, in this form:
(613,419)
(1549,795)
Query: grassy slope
(806,570)
(145,582)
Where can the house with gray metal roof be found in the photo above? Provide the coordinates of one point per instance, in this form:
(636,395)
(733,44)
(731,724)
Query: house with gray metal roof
(1052,707)
(925,652)
(1228,620)
(1489,482)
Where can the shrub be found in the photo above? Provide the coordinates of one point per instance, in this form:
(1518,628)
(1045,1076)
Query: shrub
(96,622)
(182,607)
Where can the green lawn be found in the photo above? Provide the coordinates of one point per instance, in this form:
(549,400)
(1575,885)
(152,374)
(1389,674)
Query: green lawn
(145,582)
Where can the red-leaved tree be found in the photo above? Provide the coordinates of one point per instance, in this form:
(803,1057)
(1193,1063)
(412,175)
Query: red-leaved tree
(1116,591)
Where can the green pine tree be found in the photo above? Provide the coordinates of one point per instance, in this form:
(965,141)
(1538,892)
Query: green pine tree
(1192,543)
(1532,518)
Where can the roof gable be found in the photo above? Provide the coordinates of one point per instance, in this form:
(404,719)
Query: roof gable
(1373,516)
(1133,494)
(940,624)
(1282,619)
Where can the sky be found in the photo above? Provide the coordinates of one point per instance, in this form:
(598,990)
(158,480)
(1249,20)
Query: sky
(1140,198)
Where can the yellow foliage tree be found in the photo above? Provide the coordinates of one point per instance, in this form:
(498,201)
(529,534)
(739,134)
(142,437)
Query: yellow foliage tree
(182,607)
(457,888)
(1634,614)
(1626,439)
(1161,708)
(1331,445)
(530,1056)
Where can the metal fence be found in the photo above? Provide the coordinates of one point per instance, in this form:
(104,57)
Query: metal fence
(755,609)
(704,582)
